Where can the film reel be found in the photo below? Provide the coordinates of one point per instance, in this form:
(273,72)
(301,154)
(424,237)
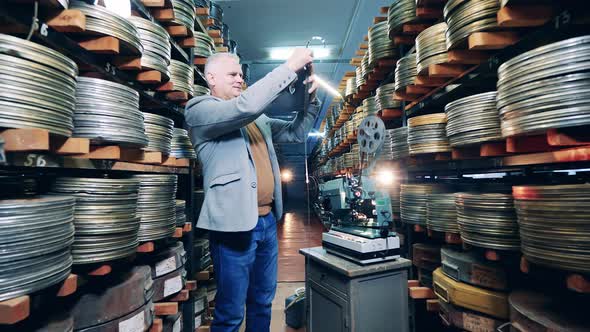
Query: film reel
(371,134)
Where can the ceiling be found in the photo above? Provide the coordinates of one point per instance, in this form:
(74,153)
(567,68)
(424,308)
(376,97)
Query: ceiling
(257,25)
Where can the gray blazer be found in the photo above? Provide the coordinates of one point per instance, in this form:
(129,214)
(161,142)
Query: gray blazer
(216,128)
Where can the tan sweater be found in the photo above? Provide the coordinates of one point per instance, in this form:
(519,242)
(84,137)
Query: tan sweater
(264,174)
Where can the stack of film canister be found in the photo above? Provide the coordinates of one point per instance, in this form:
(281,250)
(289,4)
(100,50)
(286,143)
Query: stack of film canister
(545,310)
(347,159)
(201,304)
(216,13)
(431,47)
(201,254)
(35,240)
(399,143)
(365,65)
(156,46)
(380,46)
(160,131)
(184,13)
(488,220)
(102,21)
(167,270)
(358,117)
(400,12)
(349,127)
(426,259)
(441,213)
(473,120)
(108,113)
(413,200)
(554,225)
(38,87)
(180,212)
(337,138)
(427,134)
(360,79)
(545,88)
(370,106)
(350,87)
(182,77)
(464,18)
(384,97)
(181,146)
(473,268)
(156,206)
(405,72)
(204,45)
(105,217)
(464,283)
(50,319)
(386,153)
(124,300)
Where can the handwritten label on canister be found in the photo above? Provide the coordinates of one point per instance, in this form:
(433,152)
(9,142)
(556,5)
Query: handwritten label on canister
(475,323)
(172,285)
(488,277)
(166,266)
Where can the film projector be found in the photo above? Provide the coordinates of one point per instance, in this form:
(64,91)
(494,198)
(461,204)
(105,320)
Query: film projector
(358,212)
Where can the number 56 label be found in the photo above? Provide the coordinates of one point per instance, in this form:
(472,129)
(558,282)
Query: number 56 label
(35,160)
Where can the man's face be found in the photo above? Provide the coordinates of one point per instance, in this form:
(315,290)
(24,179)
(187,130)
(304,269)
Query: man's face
(226,80)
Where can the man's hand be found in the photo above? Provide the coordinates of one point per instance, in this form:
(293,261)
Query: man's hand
(314,84)
(299,59)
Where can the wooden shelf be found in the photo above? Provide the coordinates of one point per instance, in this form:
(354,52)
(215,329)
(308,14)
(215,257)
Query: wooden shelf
(46,160)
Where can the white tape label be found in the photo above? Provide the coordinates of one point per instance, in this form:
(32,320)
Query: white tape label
(166,266)
(176,327)
(172,285)
(133,324)
(199,306)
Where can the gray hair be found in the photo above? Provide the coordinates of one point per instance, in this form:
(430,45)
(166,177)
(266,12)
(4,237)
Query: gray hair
(213,59)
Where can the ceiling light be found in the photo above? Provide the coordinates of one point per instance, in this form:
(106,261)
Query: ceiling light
(283,53)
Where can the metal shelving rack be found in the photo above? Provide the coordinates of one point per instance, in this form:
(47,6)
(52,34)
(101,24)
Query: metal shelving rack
(482,77)
(478,79)
(45,164)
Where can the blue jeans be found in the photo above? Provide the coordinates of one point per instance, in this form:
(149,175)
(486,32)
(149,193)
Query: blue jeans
(245,266)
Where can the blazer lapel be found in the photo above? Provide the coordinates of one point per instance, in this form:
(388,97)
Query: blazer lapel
(246,140)
(264,130)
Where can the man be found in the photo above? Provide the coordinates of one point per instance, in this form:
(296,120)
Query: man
(241,179)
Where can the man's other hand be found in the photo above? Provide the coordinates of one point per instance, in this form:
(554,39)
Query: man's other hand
(314,83)
(299,58)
